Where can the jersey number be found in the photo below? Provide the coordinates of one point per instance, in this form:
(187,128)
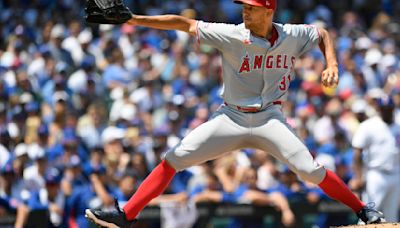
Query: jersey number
(284,83)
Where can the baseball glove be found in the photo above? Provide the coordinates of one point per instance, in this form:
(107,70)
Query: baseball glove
(107,12)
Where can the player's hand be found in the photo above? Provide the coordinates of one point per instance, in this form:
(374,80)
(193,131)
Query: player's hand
(330,77)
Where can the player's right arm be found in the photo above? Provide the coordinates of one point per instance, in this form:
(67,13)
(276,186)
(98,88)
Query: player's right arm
(165,22)
(360,141)
(357,181)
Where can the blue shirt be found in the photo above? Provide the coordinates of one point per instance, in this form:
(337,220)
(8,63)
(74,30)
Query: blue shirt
(116,73)
(82,198)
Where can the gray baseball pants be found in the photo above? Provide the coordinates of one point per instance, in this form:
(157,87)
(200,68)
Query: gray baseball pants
(229,130)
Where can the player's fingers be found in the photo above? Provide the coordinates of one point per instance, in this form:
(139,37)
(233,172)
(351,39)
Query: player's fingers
(336,80)
(333,81)
(324,77)
(330,79)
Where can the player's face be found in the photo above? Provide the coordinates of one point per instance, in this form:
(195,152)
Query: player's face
(255,16)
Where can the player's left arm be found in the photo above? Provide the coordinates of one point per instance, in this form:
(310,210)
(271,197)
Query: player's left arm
(330,76)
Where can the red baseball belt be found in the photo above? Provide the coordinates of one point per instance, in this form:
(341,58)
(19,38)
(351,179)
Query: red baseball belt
(250,109)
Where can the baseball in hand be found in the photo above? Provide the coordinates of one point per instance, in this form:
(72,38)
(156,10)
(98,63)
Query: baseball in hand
(330,78)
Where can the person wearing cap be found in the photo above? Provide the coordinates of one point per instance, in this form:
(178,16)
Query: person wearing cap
(127,185)
(79,81)
(34,174)
(376,159)
(72,44)
(112,141)
(115,74)
(10,188)
(360,108)
(4,141)
(258,61)
(21,154)
(372,76)
(50,198)
(97,193)
(57,35)
(73,176)
(91,124)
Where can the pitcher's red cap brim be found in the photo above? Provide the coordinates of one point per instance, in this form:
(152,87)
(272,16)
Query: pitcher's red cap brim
(269,4)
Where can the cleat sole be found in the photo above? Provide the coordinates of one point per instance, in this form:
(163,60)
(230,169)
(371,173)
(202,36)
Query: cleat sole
(89,215)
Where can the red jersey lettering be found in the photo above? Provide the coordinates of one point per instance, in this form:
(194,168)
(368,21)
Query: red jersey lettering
(245,65)
(269,62)
(278,61)
(258,59)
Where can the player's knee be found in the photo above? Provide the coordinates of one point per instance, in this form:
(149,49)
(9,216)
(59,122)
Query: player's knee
(313,174)
(176,160)
(303,164)
(173,161)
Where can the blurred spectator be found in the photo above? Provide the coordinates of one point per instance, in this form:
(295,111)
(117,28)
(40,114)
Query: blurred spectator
(228,173)
(57,35)
(95,194)
(73,176)
(115,75)
(91,125)
(34,175)
(4,141)
(290,186)
(267,173)
(139,164)
(248,192)
(50,198)
(10,188)
(71,42)
(126,187)
(210,191)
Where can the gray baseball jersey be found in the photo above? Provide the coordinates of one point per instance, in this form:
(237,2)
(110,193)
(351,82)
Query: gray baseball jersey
(254,72)
(255,75)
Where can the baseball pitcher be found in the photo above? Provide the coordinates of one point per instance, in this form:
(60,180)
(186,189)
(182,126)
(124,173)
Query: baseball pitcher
(258,58)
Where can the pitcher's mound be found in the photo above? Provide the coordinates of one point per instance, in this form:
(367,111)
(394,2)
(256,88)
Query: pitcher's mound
(386,225)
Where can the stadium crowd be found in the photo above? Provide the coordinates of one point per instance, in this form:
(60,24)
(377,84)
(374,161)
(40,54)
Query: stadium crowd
(86,111)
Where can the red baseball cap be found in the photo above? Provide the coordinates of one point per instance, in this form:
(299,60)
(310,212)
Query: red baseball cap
(269,4)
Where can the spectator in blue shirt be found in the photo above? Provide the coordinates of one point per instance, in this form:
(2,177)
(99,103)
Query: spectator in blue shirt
(248,192)
(126,187)
(290,186)
(9,190)
(210,191)
(115,75)
(50,198)
(96,194)
(73,176)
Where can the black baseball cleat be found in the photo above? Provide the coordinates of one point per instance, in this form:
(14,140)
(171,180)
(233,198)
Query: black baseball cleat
(110,219)
(368,215)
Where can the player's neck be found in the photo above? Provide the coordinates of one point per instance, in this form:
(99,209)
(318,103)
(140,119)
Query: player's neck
(264,32)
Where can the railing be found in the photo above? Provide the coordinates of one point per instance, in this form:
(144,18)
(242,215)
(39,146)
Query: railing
(220,213)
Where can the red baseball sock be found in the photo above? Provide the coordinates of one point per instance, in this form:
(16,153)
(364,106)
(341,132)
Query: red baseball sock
(154,184)
(334,187)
